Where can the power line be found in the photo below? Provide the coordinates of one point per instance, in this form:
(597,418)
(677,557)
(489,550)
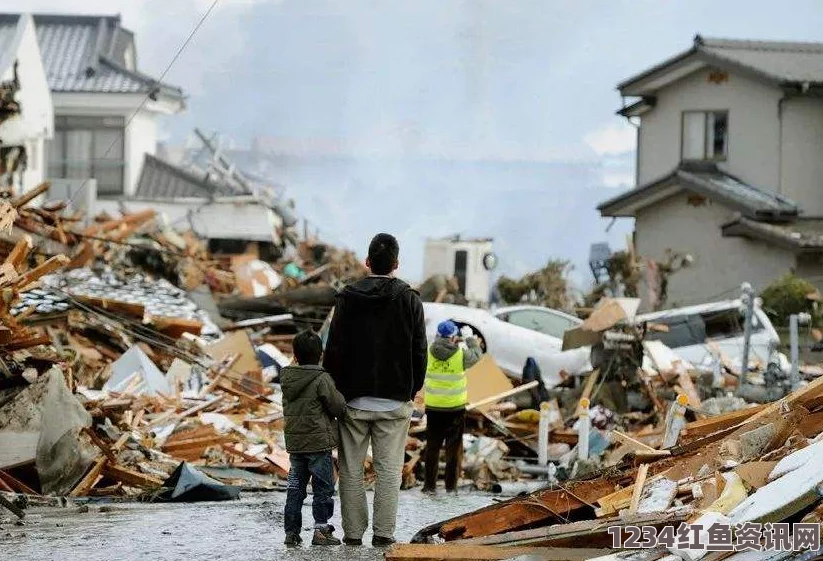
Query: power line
(149,95)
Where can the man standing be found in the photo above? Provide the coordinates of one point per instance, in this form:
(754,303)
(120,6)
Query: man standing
(446,397)
(376,354)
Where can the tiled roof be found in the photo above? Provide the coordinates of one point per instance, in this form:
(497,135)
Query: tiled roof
(784,236)
(162,180)
(785,63)
(88,54)
(707,180)
(782,61)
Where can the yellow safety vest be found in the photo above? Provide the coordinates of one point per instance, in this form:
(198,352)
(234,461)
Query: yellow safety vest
(446,386)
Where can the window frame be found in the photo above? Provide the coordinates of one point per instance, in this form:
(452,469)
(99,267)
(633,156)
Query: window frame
(705,112)
(65,124)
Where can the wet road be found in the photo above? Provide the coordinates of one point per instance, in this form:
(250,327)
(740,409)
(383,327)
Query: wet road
(249,530)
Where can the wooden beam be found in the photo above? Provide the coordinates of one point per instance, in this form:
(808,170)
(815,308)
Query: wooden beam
(591,380)
(131,478)
(638,446)
(705,427)
(16,484)
(456,552)
(540,507)
(20,252)
(51,265)
(503,395)
(90,480)
(12,507)
(30,195)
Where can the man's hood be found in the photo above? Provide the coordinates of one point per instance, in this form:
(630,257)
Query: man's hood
(295,379)
(443,349)
(375,289)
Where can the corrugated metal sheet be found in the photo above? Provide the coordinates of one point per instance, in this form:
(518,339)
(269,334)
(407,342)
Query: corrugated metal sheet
(162,180)
(783,61)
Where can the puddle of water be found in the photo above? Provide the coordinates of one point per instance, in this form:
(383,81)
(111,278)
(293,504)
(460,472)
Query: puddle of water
(247,530)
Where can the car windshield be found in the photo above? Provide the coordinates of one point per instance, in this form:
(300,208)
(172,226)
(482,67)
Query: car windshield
(695,329)
(542,321)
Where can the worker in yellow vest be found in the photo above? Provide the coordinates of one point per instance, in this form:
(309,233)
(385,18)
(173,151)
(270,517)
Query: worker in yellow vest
(446,394)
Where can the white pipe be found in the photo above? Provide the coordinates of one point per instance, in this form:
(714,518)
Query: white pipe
(583,430)
(543,435)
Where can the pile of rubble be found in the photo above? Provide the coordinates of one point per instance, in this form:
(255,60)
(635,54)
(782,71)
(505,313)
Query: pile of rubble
(119,377)
(647,440)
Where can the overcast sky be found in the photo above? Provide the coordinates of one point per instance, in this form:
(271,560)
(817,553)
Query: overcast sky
(512,79)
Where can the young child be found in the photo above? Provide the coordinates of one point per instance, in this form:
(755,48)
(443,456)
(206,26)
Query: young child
(311,404)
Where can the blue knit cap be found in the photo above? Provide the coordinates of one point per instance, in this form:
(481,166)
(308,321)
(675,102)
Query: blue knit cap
(447,329)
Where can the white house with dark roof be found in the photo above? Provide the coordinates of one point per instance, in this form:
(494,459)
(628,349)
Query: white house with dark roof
(729,164)
(26,120)
(105,111)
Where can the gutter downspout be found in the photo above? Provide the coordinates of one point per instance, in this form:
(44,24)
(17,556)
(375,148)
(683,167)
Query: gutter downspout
(780,102)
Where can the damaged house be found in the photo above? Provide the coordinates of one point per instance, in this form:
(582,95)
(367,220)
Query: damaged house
(92,121)
(106,112)
(729,137)
(26,120)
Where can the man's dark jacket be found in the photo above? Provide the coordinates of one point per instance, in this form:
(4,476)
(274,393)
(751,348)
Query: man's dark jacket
(310,405)
(377,340)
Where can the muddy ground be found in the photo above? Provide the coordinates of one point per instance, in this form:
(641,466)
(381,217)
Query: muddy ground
(250,529)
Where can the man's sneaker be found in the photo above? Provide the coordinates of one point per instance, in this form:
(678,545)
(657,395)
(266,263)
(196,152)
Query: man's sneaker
(429,491)
(324,537)
(380,541)
(354,542)
(293,540)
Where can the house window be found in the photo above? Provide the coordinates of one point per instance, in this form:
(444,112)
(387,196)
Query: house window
(705,135)
(89,147)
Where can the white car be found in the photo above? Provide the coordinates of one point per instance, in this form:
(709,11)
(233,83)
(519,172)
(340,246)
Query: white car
(719,322)
(513,334)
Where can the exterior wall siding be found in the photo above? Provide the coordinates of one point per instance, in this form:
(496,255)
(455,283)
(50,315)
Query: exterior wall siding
(802,153)
(720,264)
(754,127)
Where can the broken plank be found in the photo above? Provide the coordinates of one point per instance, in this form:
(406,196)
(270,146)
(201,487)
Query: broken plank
(707,426)
(52,264)
(594,532)
(30,195)
(638,488)
(503,395)
(455,552)
(540,507)
(20,252)
(131,478)
(638,446)
(591,380)
(90,480)
(100,444)
(12,507)
(459,552)
(17,485)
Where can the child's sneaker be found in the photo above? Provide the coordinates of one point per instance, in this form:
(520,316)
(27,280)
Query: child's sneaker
(324,537)
(293,540)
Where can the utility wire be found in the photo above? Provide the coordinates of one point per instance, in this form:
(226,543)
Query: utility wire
(148,95)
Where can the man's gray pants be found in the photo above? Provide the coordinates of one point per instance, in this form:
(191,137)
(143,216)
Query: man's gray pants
(387,432)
